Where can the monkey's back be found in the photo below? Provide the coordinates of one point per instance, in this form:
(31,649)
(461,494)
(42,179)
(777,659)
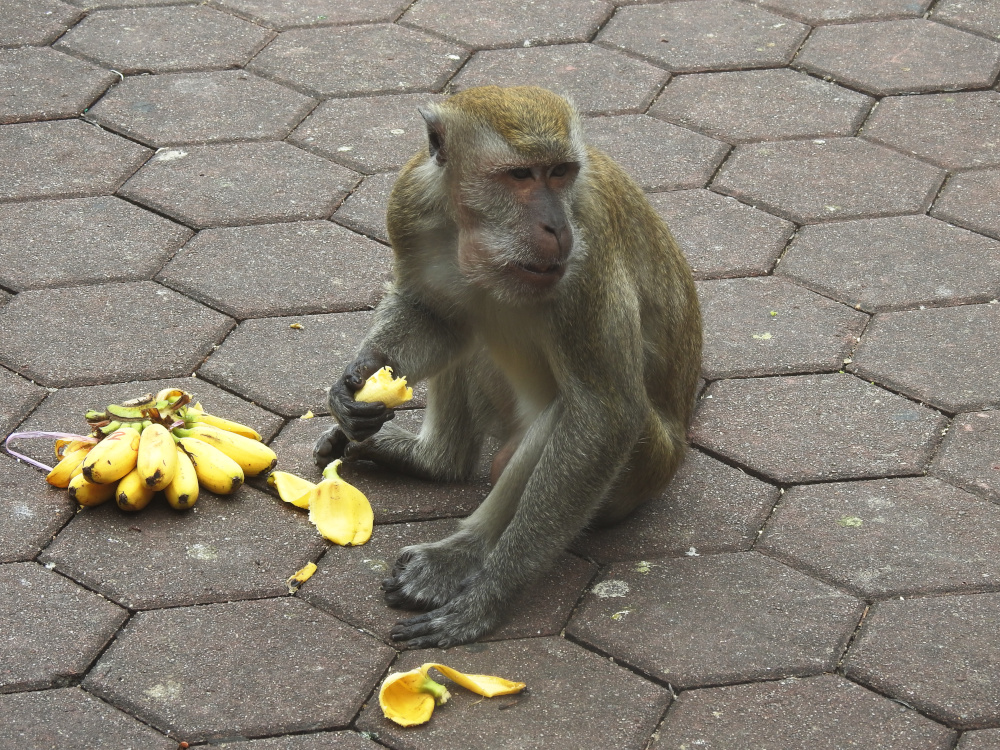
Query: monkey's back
(624,234)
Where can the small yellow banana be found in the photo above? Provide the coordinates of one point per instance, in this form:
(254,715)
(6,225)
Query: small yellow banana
(253,457)
(133,493)
(67,445)
(157,459)
(340,511)
(223,424)
(71,463)
(88,493)
(182,493)
(382,386)
(216,471)
(291,489)
(113,457)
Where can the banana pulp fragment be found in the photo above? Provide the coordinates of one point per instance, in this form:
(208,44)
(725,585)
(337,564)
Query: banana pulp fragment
(292,489)
(301,576)
(382,386)
(408,698)
(340,511)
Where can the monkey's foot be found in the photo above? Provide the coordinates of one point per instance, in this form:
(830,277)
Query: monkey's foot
(468,616)
(427,576)
(330,446)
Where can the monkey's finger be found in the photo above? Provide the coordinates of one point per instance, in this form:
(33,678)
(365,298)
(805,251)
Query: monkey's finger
(330,446)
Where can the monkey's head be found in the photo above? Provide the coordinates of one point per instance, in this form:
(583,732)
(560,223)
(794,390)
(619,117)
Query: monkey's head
(507,160)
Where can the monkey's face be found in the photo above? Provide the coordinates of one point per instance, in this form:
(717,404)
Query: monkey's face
(515,233)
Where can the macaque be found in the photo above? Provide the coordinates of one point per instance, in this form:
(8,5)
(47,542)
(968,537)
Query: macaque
(545,304)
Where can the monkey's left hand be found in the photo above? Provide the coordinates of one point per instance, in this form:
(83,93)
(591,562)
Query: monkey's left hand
(473,613)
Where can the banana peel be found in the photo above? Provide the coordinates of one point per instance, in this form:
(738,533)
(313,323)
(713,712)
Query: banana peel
(339,510)
(382,386)
(409,698)
(292,489)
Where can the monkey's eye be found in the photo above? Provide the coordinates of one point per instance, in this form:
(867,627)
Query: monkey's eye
(560,170)
(520,173)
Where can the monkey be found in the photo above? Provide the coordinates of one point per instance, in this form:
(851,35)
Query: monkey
(545,304)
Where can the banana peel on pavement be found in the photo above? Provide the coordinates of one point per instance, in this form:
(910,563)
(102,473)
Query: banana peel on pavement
(337,509)
(409,698)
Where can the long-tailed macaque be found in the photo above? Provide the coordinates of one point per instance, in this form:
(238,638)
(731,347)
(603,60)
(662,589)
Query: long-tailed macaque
(545,303)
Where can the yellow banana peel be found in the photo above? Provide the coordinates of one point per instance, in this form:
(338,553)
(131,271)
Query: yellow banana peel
(382,386)
(292,489)
(340,511)
(301,576)
(409,698)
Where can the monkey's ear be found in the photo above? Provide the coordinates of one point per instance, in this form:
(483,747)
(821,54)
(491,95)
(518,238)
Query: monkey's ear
(435,135)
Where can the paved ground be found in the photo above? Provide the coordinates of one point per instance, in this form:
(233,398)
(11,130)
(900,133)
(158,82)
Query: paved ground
(179,184)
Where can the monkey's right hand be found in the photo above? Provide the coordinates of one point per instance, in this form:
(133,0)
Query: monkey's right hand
(358,420)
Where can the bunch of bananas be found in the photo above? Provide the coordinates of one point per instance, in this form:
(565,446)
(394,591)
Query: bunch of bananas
(158,443)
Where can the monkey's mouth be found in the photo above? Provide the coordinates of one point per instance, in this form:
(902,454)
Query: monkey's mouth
(539,274)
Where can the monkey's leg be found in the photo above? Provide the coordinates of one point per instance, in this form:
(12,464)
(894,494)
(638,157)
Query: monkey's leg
(429,575)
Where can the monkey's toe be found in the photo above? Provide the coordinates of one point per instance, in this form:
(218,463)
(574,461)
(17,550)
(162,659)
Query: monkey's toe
(329,447)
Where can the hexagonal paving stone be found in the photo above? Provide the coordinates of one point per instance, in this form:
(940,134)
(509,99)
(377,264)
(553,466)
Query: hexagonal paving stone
(723,618)
(38,83)
(483,23)
(37,22)
(972,200)
(348,585)
(164,40)
(240,183)
(242,546)
(955,131)
(767,326)
(353,60)
(709,507)
(17,398)
(290,13)
(937,654)
(598,81)
(659,156)
(837,178)
(65,158)
(720,236)
(72,718)
(394,498)
(954,366)
(986,739)
(819,713)
(83,335)
(364,210)
(894,263)
(284,369)
(245,669)
(39,610)
(889,537)
(281,269)
(63,409)
(183,108)
(982,16)
(31,512)
(818,12)
(755,105)
(816,427)
(898,57)
(82,240)
(704,35)
(970,454)
(344,740)
(557,673)
(366,134)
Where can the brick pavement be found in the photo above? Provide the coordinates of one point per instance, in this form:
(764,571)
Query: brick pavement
(181,181)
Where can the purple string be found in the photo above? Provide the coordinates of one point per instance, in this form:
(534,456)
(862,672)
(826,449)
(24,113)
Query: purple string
(37,434)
